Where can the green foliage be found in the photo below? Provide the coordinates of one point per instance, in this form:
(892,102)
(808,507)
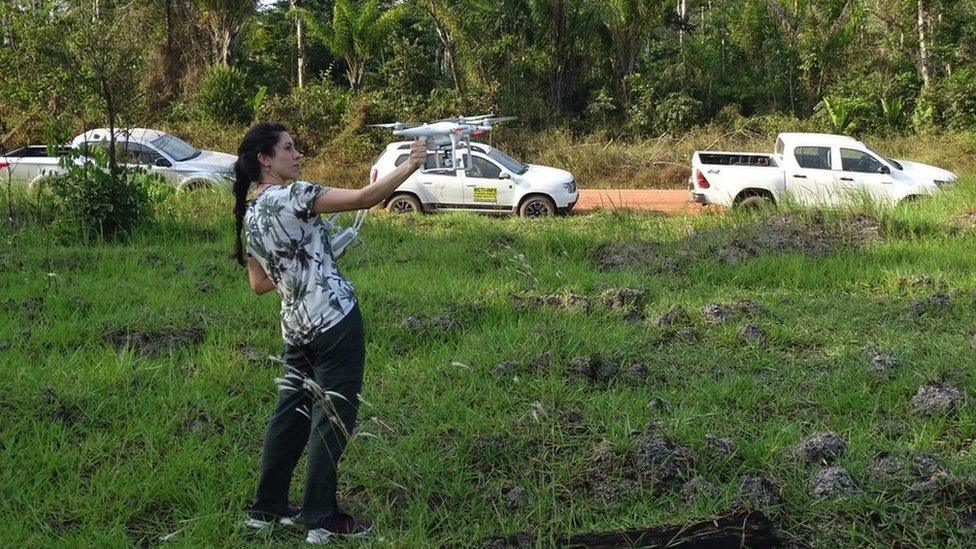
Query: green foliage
(649,114)
(959,100)
(312,113)
(840,116)
(408,76)
(225,94)
(92,203)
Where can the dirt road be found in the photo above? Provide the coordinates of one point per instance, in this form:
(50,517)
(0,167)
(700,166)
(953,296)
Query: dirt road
(668,201)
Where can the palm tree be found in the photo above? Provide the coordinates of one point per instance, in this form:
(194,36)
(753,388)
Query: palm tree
(357,31)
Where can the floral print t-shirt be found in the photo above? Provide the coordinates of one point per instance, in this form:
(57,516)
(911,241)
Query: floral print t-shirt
(294,247)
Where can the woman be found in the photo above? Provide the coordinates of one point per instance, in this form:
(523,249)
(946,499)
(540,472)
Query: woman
(289,249)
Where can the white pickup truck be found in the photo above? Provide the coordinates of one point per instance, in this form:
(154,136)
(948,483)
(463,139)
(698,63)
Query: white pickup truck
(812,170)
(181,164)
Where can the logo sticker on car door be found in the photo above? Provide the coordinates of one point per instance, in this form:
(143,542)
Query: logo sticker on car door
(486,194)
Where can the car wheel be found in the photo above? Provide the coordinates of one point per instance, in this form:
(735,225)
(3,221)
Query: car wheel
(404,204)
(537,206)
(752,203)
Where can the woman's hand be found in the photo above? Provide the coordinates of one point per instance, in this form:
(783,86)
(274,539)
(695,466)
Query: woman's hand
(344,200)
(418,153)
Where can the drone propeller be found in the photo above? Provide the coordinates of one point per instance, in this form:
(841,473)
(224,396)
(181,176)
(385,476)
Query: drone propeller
(395,125)
(496,119)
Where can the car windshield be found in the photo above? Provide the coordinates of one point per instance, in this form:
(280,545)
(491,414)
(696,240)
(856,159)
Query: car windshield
(178,149)
(508,162)
(891,161)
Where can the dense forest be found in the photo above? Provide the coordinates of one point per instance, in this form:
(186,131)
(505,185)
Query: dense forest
(624,68)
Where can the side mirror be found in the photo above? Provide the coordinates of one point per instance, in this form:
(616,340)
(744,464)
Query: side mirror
(885,170)
(162,163)
(504,175)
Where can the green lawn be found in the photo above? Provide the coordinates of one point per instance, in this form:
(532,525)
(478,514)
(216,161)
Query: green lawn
(488,422)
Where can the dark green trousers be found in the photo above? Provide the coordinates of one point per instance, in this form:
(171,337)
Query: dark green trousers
(335,360)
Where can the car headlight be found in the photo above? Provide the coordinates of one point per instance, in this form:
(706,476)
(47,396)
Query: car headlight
(941,182)
(570,186)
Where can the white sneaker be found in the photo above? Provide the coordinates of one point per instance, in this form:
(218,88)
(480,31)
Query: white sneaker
(318,536)
(258,520)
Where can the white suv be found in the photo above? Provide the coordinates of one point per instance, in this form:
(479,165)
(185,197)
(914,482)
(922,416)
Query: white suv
(495,183)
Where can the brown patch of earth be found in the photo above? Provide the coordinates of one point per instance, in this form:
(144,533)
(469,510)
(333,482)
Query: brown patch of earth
(813,235)
(155,343)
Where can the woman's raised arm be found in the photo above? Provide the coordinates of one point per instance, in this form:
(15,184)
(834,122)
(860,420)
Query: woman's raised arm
(344,200)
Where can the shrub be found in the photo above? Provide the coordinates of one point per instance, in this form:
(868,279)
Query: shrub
(225,95)
(90,201)
(650,114)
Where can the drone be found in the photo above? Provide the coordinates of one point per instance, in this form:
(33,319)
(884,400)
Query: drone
(447,134)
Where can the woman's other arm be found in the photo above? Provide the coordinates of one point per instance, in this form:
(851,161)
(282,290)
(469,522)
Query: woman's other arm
(260,282)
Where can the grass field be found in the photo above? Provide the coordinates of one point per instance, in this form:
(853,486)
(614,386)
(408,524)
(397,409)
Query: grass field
(522,376)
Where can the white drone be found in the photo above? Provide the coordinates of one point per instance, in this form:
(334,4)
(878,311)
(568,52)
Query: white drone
(447,134)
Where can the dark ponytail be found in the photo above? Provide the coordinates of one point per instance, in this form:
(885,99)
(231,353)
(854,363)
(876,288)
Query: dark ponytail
(260,139)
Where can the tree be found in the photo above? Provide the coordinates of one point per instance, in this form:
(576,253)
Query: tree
(223,20)
(563,25)
(629,22)
(356,33)
(101,51)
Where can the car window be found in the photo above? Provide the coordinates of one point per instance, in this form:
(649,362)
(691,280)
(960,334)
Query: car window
(853,160)
(483,168)
(440,160)
(401,159)
(816,158)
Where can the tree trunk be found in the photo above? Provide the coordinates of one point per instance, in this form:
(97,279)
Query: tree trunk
(300,44)
(923,50)
(682,11)
(223,52)
(557,78)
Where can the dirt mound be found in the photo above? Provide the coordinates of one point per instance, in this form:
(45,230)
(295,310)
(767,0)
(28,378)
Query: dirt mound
(790,233)
(594,368)
(820,448)
(832,482)
(933,304)
(665,463)
(883,363)
(758,491)
(720,445)
(696,488)
(624,298)
(897,469)
(675,316)
(719,313)
(154,343)
(517,498)
(936,398)
(813,235)
(608,473)
(442,323)
(653,256)
(555,301)
(752,333)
